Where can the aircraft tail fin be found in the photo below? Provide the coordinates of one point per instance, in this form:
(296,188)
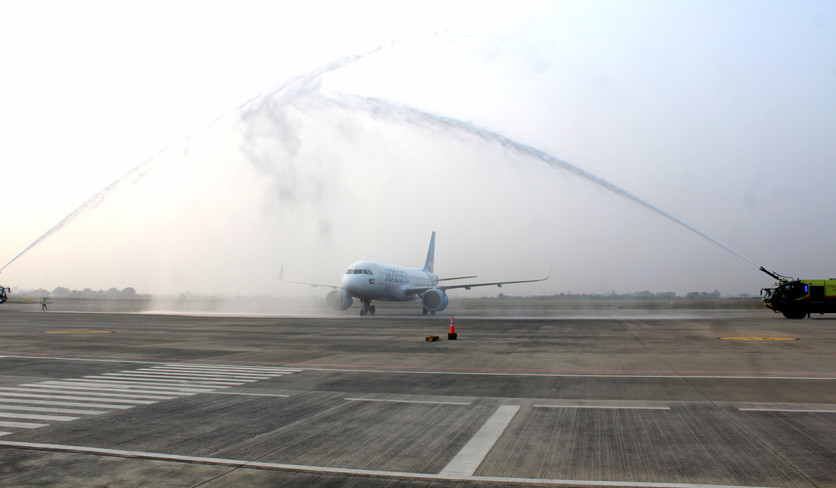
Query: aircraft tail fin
(429,264)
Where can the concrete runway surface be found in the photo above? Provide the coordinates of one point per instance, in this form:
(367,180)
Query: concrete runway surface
(685,399)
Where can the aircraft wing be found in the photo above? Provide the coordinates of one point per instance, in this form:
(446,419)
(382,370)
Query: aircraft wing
(314,285)
(468,286)
(417,290)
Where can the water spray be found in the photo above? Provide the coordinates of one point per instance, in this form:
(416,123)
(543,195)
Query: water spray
(412,115)
(309,84)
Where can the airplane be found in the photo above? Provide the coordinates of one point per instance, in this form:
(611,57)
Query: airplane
(371,280)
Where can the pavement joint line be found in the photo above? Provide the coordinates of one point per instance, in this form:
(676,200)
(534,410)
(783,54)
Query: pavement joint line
(406,401)
(608,407)
(352,471)
(672,375)
(791,410)
(468,459)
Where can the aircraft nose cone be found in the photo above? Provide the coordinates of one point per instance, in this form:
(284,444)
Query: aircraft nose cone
(353,283)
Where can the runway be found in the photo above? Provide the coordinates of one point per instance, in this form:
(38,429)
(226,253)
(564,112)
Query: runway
(689,399)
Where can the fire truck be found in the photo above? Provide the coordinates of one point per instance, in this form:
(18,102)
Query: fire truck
(797,298)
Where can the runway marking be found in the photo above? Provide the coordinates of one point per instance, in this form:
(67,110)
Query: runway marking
(607,407)
(473,453)
(33,416)
(21,425)
(168,389)
(170,379)
(405,401)
(73,397)
(143,386)
(248,394)
(29,408)
(65,404)
(93,391)
(196,375)
(351,471)
(791,410)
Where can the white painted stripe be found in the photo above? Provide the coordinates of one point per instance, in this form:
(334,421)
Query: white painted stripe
(259,369)
(4,433)
(93,392)
(189,374)
(167,389)
(473,453)
(197,373)
(64,404)
(149,378)
(606,407)
(95,360)
(82,398)
(247,394)
(29,408)
(201,372)
(791,410)
(34,416)
(405,401)
(147,362)
(21,425)
(355,472)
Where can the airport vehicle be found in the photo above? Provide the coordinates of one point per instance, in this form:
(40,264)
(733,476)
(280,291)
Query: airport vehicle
(4,293)
(797,298)
(371,280)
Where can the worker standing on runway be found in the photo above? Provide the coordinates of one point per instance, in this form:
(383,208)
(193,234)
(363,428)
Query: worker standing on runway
(43,305)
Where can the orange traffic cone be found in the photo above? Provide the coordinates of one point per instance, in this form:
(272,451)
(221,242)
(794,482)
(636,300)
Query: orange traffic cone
(452,335)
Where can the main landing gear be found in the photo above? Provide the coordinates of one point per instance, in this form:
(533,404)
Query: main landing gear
(425,312)
(368,308)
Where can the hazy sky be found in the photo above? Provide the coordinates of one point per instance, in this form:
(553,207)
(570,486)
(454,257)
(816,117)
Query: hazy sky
(722,114)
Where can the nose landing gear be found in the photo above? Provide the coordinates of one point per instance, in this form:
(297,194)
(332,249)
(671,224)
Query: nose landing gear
(368,308)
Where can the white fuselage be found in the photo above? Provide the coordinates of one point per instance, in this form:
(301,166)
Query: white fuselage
(370,280)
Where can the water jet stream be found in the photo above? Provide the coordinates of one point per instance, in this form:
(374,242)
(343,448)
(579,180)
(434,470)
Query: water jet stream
(309,85)
(411,115)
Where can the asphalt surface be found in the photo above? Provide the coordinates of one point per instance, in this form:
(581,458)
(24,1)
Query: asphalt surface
(677,399)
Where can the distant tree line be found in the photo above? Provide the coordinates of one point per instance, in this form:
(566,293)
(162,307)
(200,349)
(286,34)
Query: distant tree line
(62,292)
(638,295)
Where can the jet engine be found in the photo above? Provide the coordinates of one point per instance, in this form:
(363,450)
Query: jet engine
(434,300)
(338,299)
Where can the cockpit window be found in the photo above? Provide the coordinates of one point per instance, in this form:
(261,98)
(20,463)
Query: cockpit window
(359,271)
